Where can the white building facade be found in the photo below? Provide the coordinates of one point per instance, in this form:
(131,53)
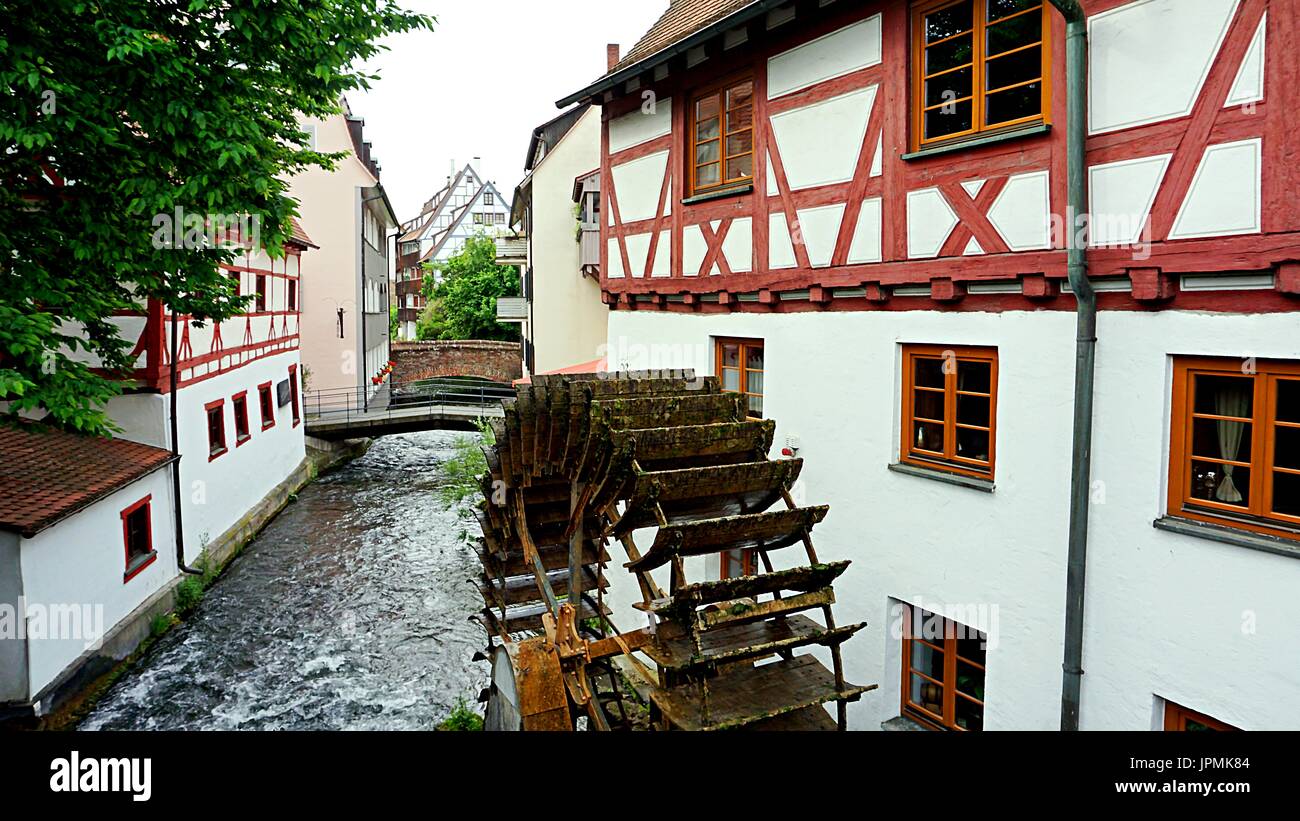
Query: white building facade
(791,206)
(467,205)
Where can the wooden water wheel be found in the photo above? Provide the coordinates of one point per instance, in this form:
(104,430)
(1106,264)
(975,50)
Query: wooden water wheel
(583,462)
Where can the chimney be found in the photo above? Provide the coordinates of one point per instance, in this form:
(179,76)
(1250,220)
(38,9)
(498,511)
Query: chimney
(612,56)
(478,161)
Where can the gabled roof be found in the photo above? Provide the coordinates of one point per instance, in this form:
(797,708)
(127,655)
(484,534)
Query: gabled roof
(686,24)
(457,219)
(297,236)
(435,207)
(682,19)
(551,132)
(47,475)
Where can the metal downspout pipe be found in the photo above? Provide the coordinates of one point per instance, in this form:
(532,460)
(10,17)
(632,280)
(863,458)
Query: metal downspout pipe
(1085,358)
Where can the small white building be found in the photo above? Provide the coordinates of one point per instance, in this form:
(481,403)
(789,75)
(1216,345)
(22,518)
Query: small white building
(87,539)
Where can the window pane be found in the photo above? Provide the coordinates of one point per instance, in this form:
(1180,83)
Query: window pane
(756,406)
(953,53)
(741,95)
(1009,34)
(927,695)
(926,659)
(706,175)
(929,373)
(706,152)
(949,21)
(1224,484)
(740,168)
(973,410)
(1286,453)
(946,88)
(742,143)
(1288,400)
(973,444)
(972,647)
(706,108)
(754,357)
(754,382)
(730,379)
(954,119)
(731,356)
(970,680)
(1014,104)
(1015,68)
(928,437)
(975,377)
(740,119)
(1222,439)
(1286,494)
(929,405)
(1002,8)
(1225,396)
(706,129)
(970,716)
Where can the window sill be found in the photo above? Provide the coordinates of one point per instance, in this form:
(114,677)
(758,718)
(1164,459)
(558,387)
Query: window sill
(134,568)
(718,195)
(903,724)
(977,142)
(1229,535)
(215,455)
(982,485)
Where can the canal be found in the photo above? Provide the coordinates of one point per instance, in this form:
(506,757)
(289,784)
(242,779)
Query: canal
(349,611)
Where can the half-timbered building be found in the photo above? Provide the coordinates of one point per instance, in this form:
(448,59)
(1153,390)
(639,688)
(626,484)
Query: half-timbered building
(860,213)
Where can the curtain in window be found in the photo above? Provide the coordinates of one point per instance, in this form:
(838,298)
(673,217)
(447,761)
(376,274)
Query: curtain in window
(1234,401)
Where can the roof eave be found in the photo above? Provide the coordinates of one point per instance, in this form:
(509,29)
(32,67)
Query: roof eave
(715,29)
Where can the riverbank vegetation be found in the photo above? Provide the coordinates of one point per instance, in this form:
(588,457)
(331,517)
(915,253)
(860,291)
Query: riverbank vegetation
(462,720)
(462,295)
(464,471)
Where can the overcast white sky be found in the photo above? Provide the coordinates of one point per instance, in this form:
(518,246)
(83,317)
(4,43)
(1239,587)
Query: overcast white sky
(481,82)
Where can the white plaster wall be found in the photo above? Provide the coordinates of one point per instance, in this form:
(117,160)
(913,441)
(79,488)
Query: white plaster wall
(328,204)
(219,493)
(81,561)
(1164,611)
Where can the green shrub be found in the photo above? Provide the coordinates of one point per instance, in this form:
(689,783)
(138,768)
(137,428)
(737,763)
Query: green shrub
(462,720)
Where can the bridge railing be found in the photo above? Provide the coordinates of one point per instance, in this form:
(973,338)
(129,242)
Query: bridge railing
(398,397)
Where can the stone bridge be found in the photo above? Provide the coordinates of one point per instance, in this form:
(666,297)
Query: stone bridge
(494,361)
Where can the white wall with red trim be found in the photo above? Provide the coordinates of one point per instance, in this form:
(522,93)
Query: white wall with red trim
(1194,156)
(1165,613)
(82,561)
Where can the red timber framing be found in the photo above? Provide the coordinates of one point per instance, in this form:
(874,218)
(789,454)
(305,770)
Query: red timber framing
(868,286)
(264,333)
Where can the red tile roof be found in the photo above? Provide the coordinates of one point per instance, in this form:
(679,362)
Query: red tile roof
(298,236)
(47,475)
(682,19)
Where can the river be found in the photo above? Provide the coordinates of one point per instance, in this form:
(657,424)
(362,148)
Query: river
(349,611)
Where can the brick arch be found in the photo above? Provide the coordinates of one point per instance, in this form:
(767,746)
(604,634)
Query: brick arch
(495,361)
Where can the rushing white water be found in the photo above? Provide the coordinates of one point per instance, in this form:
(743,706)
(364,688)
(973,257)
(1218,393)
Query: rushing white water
(349,611)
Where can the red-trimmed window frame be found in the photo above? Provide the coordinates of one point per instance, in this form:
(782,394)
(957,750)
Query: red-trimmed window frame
(260,292)
(150,555)
(219,406)
(293,395)
(239,404)
(293,295)
(266,405)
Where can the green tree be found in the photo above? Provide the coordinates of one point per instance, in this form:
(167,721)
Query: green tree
(463,293)
(115,114)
